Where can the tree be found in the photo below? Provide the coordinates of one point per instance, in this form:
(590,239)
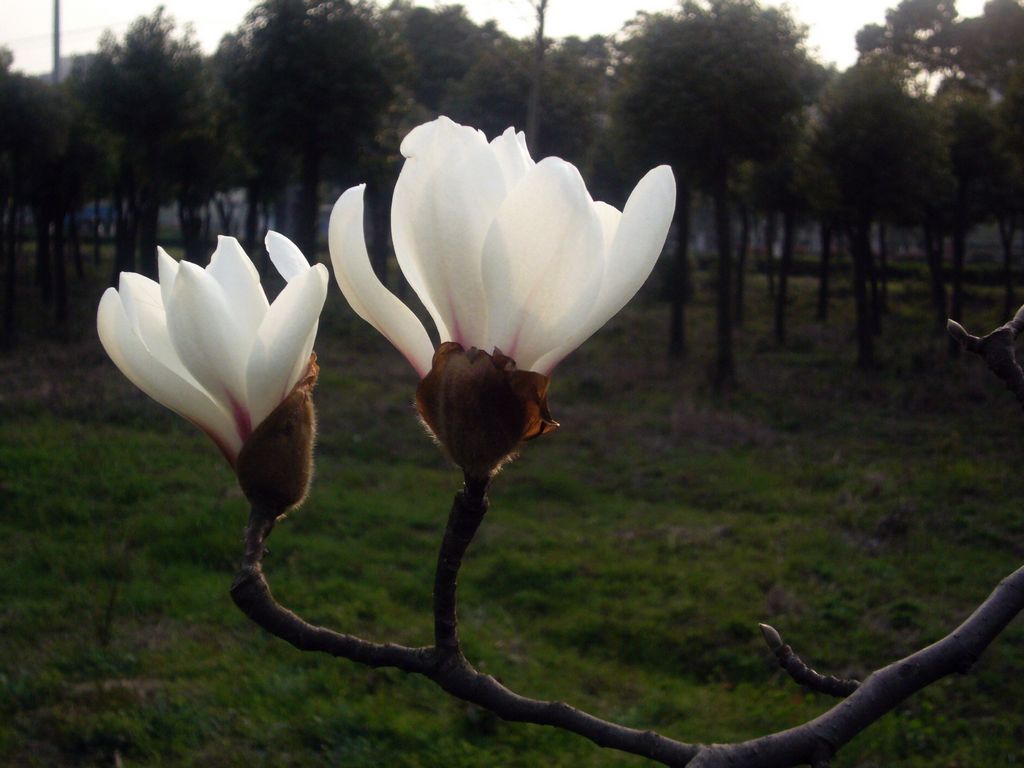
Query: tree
(442,45)
(880,146)
(141,89)
(316,79)
(969,134)
(494,94)
(200,163)
(918,33)
(533,106)
(787,184)
(709,88)
(1006,195)
(989,47)
(31,136)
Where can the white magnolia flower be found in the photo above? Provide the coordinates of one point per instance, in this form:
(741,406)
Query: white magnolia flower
(505,253)
(207,344)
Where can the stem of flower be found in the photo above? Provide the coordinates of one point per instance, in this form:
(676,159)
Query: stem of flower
(468,510)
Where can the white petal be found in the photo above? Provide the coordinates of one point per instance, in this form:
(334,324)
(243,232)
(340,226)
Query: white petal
(543,262)
(143,305)
(158,381)
(364,292)
(447,195)
(280,354)
(240,281)
(610,217)
(168,271)
(208,338)
(513,156)
(286,256)
(638,242)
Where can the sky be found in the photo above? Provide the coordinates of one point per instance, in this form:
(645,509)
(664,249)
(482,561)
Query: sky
(26,26)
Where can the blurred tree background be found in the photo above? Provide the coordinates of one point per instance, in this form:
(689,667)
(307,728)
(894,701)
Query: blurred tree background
(779,160)
(827,224)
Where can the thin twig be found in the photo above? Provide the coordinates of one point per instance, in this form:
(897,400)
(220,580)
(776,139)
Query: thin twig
(880,692)
(803,674)
(997,350)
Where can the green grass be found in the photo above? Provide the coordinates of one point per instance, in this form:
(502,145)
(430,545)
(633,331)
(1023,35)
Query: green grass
(623,567)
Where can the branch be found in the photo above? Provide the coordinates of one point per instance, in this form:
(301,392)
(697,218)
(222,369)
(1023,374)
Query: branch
(813,743)
(443,662)
(816,741)
(801,673)
(997,350)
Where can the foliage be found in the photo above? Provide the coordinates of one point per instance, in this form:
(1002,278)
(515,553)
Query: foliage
(713,84)
(143,90)
(878,141)
(919,33)
(313,81)
(989,46)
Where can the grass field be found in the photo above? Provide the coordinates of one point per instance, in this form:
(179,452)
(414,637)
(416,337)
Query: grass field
(624,565)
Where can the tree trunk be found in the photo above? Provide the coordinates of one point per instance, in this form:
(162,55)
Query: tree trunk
(151,192)
(788,236)
(860,245)
(76,244)
(536,75)
(44,263)
(883,267)
(769,251)
(190,222)
(9,234)
(96,232)
(956,306)
(872,276)
(149,218)
(725,368)
(1007,229)
(204,231)
(252,215)
(679,276)
(126,224)
(823,272)
(62,304)
(741,261)
(380,216)
(306,216)
(933,246)
(226,214)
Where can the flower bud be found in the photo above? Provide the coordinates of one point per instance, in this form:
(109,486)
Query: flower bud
(479,407)
(275,465)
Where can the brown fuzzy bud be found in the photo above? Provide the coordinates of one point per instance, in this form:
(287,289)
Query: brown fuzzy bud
(275,464)
(480,406)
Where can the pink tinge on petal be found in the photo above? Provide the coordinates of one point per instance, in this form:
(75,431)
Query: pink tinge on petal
(456,330)
(243,420)
(225,450)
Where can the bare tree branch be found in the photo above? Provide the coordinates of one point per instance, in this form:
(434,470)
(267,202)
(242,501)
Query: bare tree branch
(444,662)
(997,350)
(880,693)
(812,743)
(830,685)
